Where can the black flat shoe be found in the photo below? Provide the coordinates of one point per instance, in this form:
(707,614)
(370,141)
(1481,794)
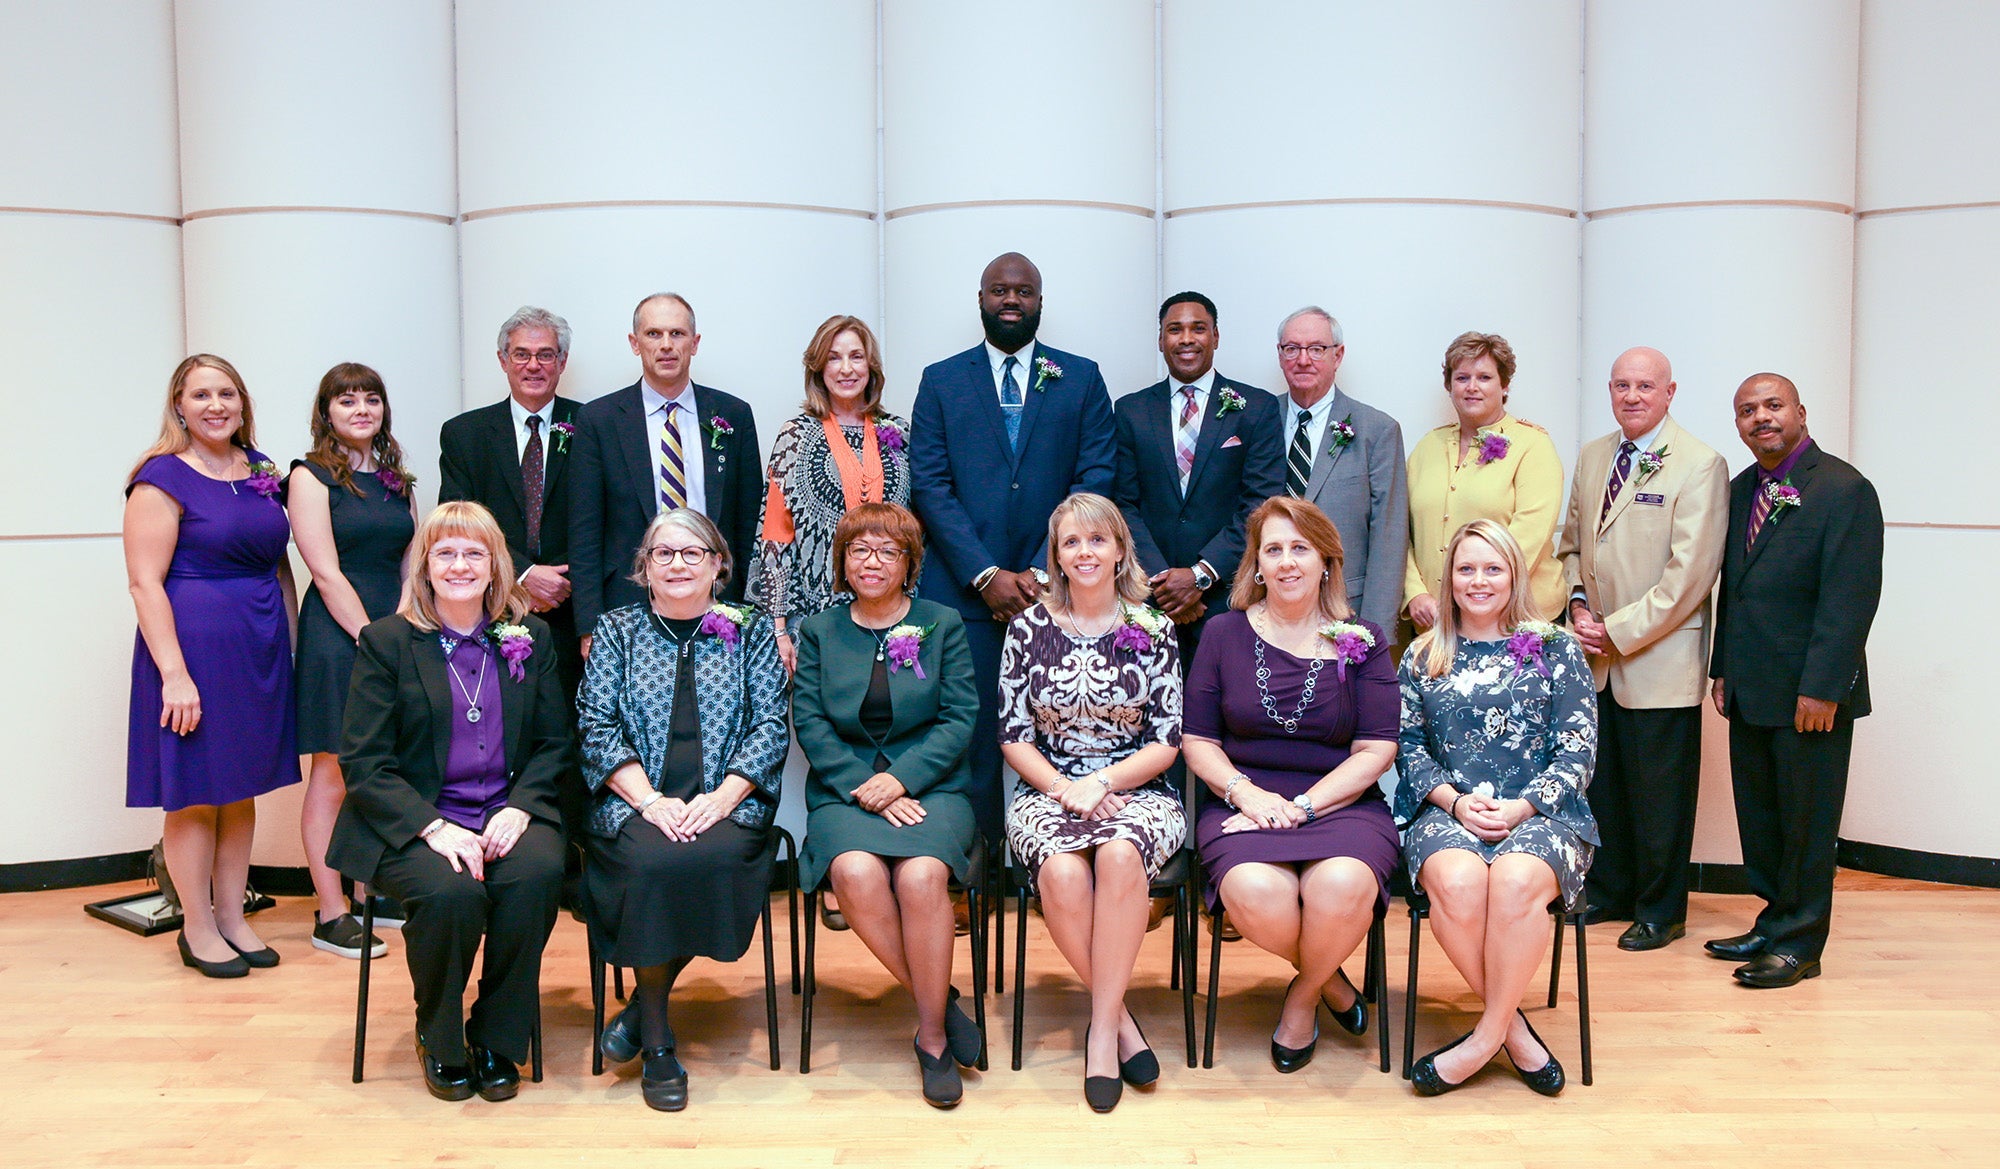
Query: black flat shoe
(446,1081)
(1772,971)
(1353,1020)
(1424,1073)
(620,1041)
(1290,1059)
(1143,1069)
(943,1086)
(961,1034)
(1100,1092)
(496,1075)
(262,959)
(236,967)
(663,1081)
(1650,935)
(1740,948)
(1547,1079)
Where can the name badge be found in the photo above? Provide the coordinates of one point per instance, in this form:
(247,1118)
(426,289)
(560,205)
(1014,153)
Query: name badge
(1655,500)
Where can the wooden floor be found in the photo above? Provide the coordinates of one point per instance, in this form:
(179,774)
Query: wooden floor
(112,1054)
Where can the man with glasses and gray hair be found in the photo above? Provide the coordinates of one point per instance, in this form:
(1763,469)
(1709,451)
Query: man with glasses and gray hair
(1347,458)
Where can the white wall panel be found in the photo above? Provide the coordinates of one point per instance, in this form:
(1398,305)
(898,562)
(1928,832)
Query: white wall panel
(1097,287)
(1930,99)
(90,314)
(89,95)
(1040,99)
(624,99)
(1724,293)
(1354,99)
(1926,295)
(1709,99)
(1403,281)
(308,105)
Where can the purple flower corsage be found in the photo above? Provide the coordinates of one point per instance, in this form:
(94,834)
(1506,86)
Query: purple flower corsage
(1341,432)
(725,622)
(1782,495)
(1231,402)
(903,645)
(1492,446)
(1141,628)
(561,432)
(1046,371)
(718,429)
(515,643)
(392,483)
(263,478)
(1351,643)
(1529,645)
(890,438)
(1650,462)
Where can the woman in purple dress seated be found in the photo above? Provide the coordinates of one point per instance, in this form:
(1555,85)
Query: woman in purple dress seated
(1290,723)
(211,720)
(457,728)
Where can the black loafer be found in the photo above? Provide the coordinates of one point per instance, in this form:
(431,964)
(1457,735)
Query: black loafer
(1290,1059)
(1740,948)
(943,1086)
(446,1081)
(1424,1076)
(236,967)
(961,1034)
(663,1081)
(496,1075)
(1100,1092)
(620,1041)
(262,959)
(1143,1069)
(1771,971)
(1548,1079)
(1353,1020)
(1650,935)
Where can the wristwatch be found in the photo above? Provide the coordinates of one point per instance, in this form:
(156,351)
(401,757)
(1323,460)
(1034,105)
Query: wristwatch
(1304,803)
(1203,578)
(1041,577)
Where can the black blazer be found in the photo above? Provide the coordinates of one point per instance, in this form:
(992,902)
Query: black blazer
(1793,613)
(615,494)
(397,735)
(1227,483)
(477,462)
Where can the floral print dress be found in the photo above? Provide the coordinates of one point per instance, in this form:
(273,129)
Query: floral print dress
(1505,725)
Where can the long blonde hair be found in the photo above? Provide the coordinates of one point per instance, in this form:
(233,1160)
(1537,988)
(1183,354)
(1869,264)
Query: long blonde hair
(173,432)
(1436,647)
(466,520)
(1094,513)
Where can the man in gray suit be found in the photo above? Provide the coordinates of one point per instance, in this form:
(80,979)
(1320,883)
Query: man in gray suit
(1346,457)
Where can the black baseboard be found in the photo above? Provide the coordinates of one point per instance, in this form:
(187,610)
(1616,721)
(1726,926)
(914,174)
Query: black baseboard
(36,876)
(1890,861)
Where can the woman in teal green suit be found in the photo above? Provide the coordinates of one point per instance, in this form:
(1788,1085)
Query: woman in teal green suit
(883,704)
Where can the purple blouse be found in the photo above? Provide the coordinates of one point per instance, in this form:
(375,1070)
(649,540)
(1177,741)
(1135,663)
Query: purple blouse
(475,767)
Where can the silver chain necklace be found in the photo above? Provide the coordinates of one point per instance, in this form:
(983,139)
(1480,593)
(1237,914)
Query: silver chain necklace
(472,711)
(1290,725)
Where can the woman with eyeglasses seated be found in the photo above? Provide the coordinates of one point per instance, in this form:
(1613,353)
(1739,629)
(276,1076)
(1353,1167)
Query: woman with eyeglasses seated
(455,732)
(883,703)
(1498,741)
(682,718)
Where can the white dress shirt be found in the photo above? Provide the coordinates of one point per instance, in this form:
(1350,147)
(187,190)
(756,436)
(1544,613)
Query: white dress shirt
(521,415)
(1318,415)
(693,438)
(1024,358)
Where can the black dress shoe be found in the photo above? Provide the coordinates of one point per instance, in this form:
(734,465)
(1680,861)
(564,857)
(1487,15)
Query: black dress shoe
(943,1086)
(496,1075)
(1424,1075)
(620,1041)
(262,959)
(1143,1069)
(446,1081)
(1290,1059)
(1740,948)
(236,967)
(961,1034)
(1547,1079)
(663,1081)
(1770,971)
(1650,935)
(1597,914)
(1100,1092)
(1353,1020)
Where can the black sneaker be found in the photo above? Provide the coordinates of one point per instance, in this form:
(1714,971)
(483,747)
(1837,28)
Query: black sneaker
(388,911)
(343,936)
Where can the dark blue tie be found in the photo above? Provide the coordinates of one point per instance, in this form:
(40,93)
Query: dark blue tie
(1010,401)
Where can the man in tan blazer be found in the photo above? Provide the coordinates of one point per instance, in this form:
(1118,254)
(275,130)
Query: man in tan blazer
(1641,550)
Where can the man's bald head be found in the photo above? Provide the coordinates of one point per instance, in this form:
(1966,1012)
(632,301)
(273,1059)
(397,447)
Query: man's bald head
(1642,387)
(1010,301)
(1769,417)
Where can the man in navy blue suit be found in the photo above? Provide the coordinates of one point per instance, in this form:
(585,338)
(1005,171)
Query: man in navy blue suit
(1002,433)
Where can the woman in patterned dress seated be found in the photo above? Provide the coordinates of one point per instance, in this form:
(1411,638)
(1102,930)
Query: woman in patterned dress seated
(1498,741)
(1090,718)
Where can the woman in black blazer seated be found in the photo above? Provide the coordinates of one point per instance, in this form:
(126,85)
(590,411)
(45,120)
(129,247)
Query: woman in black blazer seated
(456,731)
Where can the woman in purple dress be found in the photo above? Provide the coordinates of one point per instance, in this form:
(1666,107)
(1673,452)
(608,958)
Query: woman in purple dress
(1290,723)
(211,724)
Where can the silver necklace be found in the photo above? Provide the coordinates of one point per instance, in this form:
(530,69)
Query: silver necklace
(1076,628)
(472,711)
(1290,725)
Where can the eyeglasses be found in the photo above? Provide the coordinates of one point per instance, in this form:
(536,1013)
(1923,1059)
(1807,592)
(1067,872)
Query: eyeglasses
(664,557)
(472,556)
(1290,352)
(524,357)
(878,555)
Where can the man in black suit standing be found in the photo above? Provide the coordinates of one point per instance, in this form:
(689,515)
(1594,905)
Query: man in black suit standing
(661,442)
(1197,453)
(1801,577)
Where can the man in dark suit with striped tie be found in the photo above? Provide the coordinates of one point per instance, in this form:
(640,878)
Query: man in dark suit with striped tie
(661,442)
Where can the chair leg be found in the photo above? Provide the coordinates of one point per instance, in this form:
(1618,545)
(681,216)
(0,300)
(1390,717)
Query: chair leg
(535,1048)
(1184,930)
(1020,969)
(810,987)
(596,1004)
(770,985)
(792,897)
(999,894)
(1377,977)
(1410,996)
(1174,971)
(618,982)
(361,991)
(1214,989)
(1556,961)
(976,911)
(1583,1000)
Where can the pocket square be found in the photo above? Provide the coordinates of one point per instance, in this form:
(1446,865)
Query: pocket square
(1232,440)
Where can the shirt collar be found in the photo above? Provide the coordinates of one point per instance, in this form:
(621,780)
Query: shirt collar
(1645,441)
(654,400)
(1316,411)
(1025,356)
(1203,385)
(522,414)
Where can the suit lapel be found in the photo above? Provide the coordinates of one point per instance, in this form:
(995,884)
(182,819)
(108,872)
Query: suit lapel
(506,457)
(636,433)
(555,455)
(1602,476)
(1031,404)
(985,400)
(1213,428)
(432,672)
(1734,557)
(1330,446)
(713,461)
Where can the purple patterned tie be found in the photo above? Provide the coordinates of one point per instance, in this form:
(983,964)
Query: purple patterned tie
(1185,434)
(1619,471)
(1760,510)
(532,481)
(673,465)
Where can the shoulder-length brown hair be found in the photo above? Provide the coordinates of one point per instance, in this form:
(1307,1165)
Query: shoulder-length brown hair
(819,403)
(1434,649)
(173,432)
(1318,530)
(879,519)
(1094,513)
(329,451)
(504,596)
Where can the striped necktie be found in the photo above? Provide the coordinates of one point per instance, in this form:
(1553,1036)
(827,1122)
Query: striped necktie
(1299,460)
(673,464)
(1619,470)
(1760,510)
(1186,431)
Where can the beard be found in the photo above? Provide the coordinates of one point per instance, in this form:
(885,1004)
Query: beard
(1009,336)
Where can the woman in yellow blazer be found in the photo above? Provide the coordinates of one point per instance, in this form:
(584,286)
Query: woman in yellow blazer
(1487,465)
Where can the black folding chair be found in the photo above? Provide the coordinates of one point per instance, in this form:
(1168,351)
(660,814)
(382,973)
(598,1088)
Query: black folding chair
(1374,984)
(361,1003)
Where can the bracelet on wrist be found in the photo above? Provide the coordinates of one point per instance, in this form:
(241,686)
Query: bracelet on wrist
(1227,792)
(1454,805)
(651,799)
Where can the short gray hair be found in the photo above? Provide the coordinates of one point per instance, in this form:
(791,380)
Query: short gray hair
(530,317)
(676,297)
(693,523)
(1312,310)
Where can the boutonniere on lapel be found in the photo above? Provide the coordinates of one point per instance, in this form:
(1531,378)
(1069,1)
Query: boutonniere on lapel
(1231,402)
(1493,446)
(1140,629)
(726,622)
(889,436)
(392,483)
(1530,643)
(1341,432)
(1046,371)
(1351,643)
(1782,495)
(263,478)
(1650,462)
(718,429)
(903,644)
(515,643)
(561,432)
